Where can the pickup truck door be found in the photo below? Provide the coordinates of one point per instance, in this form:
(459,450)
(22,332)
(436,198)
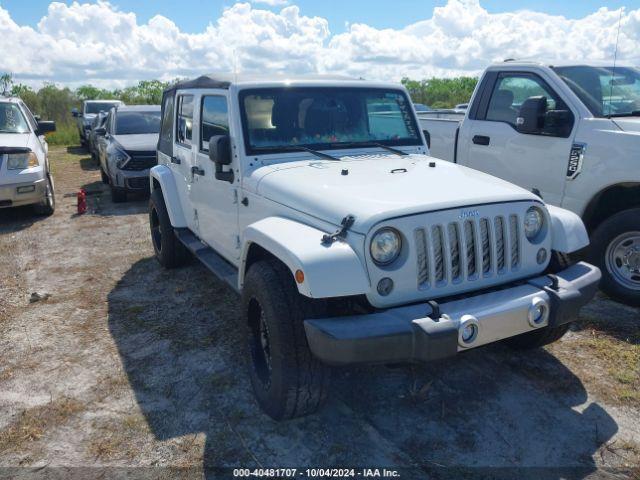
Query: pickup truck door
(216,201)
(491,140)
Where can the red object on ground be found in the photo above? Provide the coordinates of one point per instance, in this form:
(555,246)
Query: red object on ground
(82,201)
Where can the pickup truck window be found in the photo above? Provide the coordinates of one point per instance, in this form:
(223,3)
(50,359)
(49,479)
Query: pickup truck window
(184,122)
(510,92)
(97,107)
(11,119)
(214,119)
(604,92)
(326,118)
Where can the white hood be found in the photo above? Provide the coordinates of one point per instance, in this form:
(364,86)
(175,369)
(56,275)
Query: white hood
(628,124)
(15,139)
(382,187)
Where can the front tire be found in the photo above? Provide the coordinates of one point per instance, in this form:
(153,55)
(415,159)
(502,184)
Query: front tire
(118,195)
(615,249)
(169,251)
(48,205)
(287,380)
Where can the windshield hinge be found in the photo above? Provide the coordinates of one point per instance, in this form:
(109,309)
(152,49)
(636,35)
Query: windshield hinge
(341,233)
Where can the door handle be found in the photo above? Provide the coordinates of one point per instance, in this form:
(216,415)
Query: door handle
(481,140)
(197,171)
(176,160)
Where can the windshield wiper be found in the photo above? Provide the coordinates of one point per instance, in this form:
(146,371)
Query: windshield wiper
(371,144)
(300,148)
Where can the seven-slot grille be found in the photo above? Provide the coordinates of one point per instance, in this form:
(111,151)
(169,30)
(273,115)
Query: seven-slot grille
(140,160)
(467,250)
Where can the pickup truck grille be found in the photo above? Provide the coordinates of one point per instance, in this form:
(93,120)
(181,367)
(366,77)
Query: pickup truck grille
(140,161)
(466,250)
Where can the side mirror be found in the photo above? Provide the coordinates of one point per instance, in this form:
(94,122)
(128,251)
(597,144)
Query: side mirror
(46,127)
(220,154)
(531,115)
(558,122)
(101,131)
(74,112)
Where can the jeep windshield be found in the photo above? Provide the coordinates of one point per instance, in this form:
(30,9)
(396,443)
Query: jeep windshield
(11,119)
(326,118)
(606,92)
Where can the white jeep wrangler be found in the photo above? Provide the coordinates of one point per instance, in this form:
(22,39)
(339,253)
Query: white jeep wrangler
(314,198)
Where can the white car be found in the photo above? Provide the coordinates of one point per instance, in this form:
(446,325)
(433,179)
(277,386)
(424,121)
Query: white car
(570,132)
(315,199)
(90,110)
(25,176)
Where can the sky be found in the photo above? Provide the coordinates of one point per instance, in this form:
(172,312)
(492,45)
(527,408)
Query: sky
(117,43)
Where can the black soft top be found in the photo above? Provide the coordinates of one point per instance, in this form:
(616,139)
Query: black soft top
(203,81)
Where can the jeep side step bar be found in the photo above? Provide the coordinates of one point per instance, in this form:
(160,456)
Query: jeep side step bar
(214,262)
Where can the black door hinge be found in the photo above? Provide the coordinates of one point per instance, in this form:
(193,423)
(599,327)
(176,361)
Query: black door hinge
(340,234)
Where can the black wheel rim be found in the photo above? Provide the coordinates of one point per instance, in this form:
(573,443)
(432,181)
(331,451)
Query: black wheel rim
(156,234)
(259,343)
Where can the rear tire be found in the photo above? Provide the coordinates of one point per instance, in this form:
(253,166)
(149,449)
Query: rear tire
(169,251)
(537,338)
(614,242)
(287,380)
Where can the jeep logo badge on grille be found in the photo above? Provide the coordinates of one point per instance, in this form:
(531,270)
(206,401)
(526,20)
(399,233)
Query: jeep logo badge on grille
(468,214)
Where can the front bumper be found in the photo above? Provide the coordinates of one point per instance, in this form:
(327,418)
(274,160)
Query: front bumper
(132,180)
(24,193)
(409,333)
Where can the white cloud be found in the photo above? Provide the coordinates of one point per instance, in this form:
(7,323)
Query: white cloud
(97,43)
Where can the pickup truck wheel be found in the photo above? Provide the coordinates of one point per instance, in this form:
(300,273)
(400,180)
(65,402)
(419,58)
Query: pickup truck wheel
(48,205)
(288,381)
(615,248)
(537,338)
(169,251)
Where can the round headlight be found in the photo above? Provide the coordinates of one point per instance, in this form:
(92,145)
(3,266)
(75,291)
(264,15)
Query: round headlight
(385,246)
(533,222)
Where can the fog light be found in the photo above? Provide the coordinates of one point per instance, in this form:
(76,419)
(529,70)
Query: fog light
(468,330)
(385,286)
(542,256)
(538,312)
(27,189)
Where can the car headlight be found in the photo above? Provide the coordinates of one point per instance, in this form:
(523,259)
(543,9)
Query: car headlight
(119,156)
(385,246)
(21,161)
(533,222)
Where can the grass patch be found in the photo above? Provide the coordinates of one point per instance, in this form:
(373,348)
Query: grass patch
(32,423)
(621,360)
(64,135)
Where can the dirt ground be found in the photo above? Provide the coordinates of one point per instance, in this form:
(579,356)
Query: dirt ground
(126,366)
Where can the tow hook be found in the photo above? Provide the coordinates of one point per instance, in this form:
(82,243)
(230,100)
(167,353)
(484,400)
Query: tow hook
(341,233)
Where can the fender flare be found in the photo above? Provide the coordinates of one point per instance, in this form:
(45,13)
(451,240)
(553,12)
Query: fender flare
(163,175)
(329,270)
(568,233)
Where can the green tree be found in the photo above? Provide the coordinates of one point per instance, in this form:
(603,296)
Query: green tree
(6,80)
(441,92)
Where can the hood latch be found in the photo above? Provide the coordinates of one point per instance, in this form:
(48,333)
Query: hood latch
(341,233)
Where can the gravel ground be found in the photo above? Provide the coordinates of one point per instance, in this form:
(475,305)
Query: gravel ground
(121,365)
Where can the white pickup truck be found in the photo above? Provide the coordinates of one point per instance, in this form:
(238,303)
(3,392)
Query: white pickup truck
(570,132)
(314,198)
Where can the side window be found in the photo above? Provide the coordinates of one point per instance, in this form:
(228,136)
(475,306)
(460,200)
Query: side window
(184,120)
(214,119)
(511,91)
(165,143)
(30,118)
